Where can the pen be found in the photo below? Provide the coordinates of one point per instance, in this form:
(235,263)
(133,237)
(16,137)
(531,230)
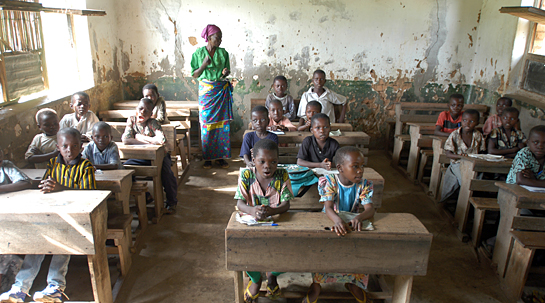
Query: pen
(265,224)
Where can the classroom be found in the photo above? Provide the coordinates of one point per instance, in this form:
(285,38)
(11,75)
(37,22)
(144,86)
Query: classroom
(440,222)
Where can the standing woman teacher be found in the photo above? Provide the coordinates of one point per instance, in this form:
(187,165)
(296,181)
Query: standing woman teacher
(210,64)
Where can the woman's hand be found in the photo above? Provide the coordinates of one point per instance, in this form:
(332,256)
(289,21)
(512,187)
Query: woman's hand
(207,61)
(225,72)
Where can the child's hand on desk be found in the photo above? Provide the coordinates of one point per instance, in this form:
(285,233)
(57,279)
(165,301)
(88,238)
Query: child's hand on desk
(326,164)
(48,185)
(528,173)
(355,224)
(340,228)
(260,212)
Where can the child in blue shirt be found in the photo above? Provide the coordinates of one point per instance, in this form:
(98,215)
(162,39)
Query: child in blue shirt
(102,151)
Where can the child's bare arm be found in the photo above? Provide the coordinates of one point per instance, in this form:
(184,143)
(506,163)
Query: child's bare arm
(49,185)
(17,186)
(303,126)
(492,149)
(343,113)
(326,164)
(438,132)
(340,227)
(39,158)
(453,156)
(248,161)
(282,208)
(254,211)
(527,177)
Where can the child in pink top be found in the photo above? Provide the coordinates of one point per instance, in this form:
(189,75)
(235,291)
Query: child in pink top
(278,122)
(494,121)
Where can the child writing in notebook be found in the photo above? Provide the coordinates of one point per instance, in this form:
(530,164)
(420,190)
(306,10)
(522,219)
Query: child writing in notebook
(343,196)
(263,191)
(82,119)
(506,140)
(277,121)
(159,112)
(280,86)
(143,129)
(461,142)
(259,120)
(319,149)
(312,108)
(44,146)
(527,168)
(450,120)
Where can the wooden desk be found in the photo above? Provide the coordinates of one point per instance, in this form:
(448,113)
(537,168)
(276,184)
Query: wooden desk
(438,153)
(123,114)
(417,131)
(131,104)
(469,167)
(154,153)
(347,138)
(512,198)
(70,222)
(119,181)
(399,246)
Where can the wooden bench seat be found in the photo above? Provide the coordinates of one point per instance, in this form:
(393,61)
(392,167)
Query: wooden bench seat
(138,191)
(425,156)
(481,205)
(119,230)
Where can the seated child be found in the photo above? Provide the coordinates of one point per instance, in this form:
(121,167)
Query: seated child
(44,146)
(280,85)
(260,120)
(319,149)
(159,106)
(11,179)
(507,140)
(82,119)
(142,129)
(263,191)
(66,171)
(494,121)
(313,107)
(102,152)
(343,195)
(450,120)
(527,168)
(461,142)
(278,122)
(323,95)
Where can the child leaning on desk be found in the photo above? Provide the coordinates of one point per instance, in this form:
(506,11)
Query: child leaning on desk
(506,140)
(527,168)
(343,195)
(142,129)
(319,149)
(263,191)
(461,142)
(66,171)
(102,151)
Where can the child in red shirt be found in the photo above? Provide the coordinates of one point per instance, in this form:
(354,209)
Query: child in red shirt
(450,120)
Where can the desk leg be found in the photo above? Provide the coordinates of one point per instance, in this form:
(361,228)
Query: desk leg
(414,152)
(435,169)
(124,197)
(462,207)
(158,187)
(502,248)
(402,289)
(239,287)
(98,263)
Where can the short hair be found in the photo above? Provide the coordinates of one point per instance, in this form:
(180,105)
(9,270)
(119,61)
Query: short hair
(102,125)
(456,96)
(280,78)
(506,99)
(265,144)
(315,103)
(510,110)
(473,112)
(152,87)
(260,109)
(319,116)
(342,153)
(69,131)
(82,94)
(43,113)
(537,129)
(276,101)
(147,101)
(319,71)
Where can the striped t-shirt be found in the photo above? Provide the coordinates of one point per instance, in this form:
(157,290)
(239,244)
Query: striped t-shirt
(448,125)
(80,174)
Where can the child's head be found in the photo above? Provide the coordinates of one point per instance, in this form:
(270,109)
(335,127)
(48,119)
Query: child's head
(318,78)
(276,110)
(80,103)
(313,108)
(470,119)
(350,162)
(47,121)
(150,91)
(509,117)
(503,103)
(319,126)
(102,134)
(69,144)
(280,85)
(536,141)
(144,110)
(260,118)
(265,154)
(456,104)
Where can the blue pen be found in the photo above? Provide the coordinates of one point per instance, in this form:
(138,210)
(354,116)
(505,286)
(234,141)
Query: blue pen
(265,224)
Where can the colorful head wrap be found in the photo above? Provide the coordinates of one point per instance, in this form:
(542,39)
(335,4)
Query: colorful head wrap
(209,30)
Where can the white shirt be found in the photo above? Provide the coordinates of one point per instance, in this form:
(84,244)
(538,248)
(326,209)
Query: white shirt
(327,99)
(85,125)
(45,144)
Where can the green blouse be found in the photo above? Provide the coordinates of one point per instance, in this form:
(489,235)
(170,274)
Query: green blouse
(212,71)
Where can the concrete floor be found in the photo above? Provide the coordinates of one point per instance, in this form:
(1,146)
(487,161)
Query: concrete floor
(182,257)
